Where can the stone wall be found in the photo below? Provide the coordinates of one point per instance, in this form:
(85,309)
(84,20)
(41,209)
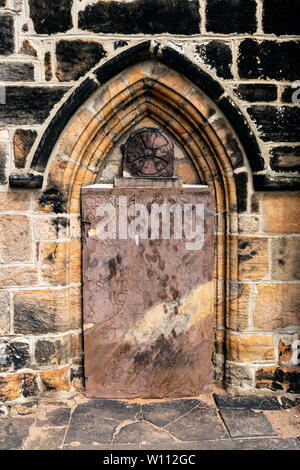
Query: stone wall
(251,48)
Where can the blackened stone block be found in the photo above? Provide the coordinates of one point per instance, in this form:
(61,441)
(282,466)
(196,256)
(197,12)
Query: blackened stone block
(278,378)
(7,45)
(75,58)
(48,66)
(240,124)
(14,355)
(16,72)
(291,94)
(121,43)
(231,16)
(269,60)
(27,48)
(276,183)
(29,105)
(3,159)
(27,181)
(51,17)
(50,136)
(49,352)
(218,56)
(131,56)
(30,387)
(281,17)
(242,190)
(285,158)
(253,92)
(142,16)
(277,124)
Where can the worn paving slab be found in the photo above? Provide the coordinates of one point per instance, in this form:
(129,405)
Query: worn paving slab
(230,444)
(242,422)
(201,423)
(163,412)
(143,432)
(13,431)
(53,417)
(251,402)
(176,424)
(50,438)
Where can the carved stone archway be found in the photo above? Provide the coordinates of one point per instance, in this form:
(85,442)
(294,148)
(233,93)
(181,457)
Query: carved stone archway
(150,89)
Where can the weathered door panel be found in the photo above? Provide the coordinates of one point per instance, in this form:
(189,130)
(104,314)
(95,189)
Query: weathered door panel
(148,303)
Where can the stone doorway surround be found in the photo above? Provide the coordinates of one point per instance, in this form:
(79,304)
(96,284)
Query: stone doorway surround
(124,93)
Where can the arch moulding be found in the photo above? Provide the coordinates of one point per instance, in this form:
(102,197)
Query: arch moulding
(148,88)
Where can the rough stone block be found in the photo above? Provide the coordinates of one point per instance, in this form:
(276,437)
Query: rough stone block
(281,213)
(18,276)
(269,60)
(140,16)
(250,347)
(239,307)
(14,355)
(290,94)
(253,258)
(275,306)
(75,58)
(15,238)
(7,33)
(256,92)
(278,378)
(18,385)
(51,228)
(48,66)
(187,172)
(285,259)
(231,16)
(22,142)
(3,162)
(51,17)
(14,201)
(27,48)
(4,313)
(52,351)
(217,55)
(61,262)
(56,380)
(285,350)
(47,311)
(29,105)
(280,17)
(242,188)
(237,375)
(16,72)
(25,180)
(285,158)
(276,124)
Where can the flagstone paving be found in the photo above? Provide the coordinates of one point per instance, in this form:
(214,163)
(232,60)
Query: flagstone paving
(217,421)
